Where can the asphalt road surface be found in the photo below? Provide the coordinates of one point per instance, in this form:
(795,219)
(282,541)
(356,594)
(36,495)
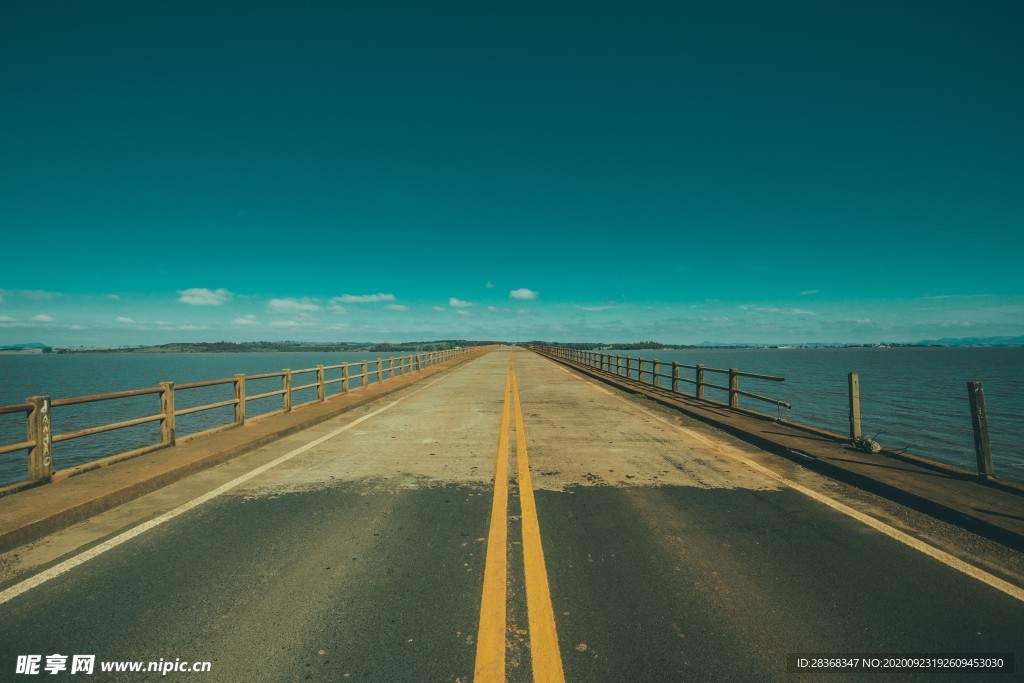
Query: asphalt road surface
(376,546)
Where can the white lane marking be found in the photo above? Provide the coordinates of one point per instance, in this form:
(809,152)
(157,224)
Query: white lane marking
(731,452)
(69,564)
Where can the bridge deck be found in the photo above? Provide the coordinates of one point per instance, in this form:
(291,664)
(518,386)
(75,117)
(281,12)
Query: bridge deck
(366,547)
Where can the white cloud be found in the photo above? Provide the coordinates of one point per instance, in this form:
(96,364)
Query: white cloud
(42,318)
(398,307)
(492,309)
(38,294)
(6,319)
(439,308)
(522,294)
(290,305)
(290,323)
(200,296)
(459,303)
(123,319)
(114,297)
(808,292)
(192,327)
(778,309)
(244,320)
(362,298)
(489,285)
(465,313)
(595,308)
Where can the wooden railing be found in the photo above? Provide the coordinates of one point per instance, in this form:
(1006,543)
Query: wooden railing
(37,409)
(638,368)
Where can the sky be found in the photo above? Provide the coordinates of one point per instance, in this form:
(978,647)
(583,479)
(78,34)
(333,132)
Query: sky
(688,172)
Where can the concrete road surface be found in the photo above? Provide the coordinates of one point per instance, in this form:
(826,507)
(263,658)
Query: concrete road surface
(374,547)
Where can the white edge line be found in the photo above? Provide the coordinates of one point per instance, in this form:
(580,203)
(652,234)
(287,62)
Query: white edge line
(729,451)
(111,543)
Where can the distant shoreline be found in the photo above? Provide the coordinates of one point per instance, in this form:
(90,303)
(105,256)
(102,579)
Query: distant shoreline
(440,345)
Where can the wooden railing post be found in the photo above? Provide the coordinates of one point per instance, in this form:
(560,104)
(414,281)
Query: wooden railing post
(167,428)
(854,385)
(628,361)
(321,393)
(391,367)
(734,385)
(654,374)
(675,376)
(40,456)
(366,376)
(344,378)
(380,370)
(618,365)
(979,420)
(640,370)
(240,397)
(700,381)
(286,385)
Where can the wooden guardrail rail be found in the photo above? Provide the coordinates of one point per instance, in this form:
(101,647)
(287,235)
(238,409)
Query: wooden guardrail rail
(38,409)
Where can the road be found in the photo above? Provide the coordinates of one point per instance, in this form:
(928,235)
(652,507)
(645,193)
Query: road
(371,548)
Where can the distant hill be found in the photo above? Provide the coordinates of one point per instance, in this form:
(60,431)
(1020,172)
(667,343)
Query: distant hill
(977,341)
(29,347)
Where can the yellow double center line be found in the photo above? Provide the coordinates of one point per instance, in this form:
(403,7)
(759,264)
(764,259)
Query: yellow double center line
(491,638)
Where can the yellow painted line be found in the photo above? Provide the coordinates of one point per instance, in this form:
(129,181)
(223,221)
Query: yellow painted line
(729,451)
(490,641)
(544,653)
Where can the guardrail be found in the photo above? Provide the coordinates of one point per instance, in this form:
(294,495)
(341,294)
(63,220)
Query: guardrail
(637,368)
(38,409)
(634,368)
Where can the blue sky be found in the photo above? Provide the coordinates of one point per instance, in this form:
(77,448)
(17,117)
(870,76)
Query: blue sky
(687,172)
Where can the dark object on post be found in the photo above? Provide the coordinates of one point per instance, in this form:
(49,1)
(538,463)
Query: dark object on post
(866,444)
(979,420)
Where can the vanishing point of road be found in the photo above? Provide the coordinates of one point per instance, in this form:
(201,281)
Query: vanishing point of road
(505,519)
